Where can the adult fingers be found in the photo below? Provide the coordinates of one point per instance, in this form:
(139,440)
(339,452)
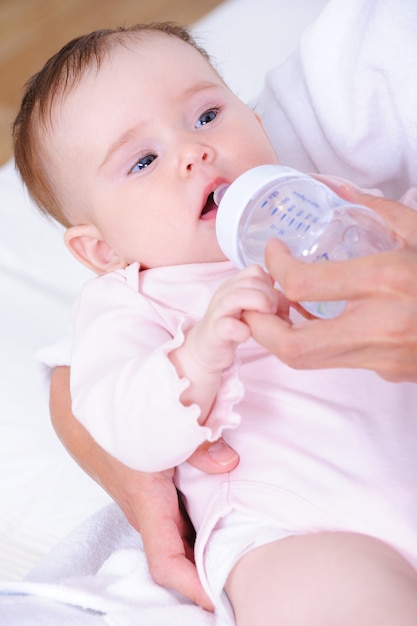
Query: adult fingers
(214,457)
(166,537)
(341,280)
(372,335)
(401,218)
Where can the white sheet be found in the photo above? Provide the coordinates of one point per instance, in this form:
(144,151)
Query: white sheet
(43,495)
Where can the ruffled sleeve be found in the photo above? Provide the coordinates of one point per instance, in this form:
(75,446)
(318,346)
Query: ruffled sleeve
(125,389)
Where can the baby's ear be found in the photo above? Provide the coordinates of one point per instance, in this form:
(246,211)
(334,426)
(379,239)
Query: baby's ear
(87,245)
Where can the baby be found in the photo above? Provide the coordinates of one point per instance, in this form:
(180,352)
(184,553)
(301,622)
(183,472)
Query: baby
(123,137)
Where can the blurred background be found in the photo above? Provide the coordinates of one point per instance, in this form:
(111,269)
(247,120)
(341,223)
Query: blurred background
(32,30)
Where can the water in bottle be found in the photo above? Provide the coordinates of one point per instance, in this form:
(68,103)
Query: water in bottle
(313,221)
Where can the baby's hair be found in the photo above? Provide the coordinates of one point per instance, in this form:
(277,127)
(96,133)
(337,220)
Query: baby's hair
(59,74)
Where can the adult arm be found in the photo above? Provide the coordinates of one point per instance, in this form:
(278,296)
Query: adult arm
(377,329)
(149,500)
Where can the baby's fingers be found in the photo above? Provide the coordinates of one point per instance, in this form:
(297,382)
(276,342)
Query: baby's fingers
(254,290)
(233,329)
(249,297)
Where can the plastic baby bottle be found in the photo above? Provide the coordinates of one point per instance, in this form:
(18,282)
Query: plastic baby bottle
(313,221)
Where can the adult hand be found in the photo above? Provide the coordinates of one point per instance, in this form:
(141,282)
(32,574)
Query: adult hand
(377,330)
(149,500)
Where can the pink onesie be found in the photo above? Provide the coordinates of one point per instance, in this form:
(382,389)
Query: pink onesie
(328,449)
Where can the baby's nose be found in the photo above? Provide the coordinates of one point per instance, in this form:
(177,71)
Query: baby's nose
(204,157)
(195,155)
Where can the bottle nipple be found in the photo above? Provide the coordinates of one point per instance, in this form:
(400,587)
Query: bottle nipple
(219,193)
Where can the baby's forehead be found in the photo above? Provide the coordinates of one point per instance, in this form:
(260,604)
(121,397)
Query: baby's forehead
(143,56)
(152,47)
(142,42)
(82,66)
(144,67)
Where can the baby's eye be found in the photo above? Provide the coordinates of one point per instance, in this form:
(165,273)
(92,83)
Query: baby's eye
(143,162)
(207,117)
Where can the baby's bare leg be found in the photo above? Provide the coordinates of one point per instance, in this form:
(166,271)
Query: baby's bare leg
(324,579)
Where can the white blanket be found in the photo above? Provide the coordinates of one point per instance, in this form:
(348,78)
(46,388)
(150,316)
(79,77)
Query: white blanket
(344,104)
(97,575)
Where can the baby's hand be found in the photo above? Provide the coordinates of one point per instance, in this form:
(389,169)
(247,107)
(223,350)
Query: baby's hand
(210,345)
(214,338)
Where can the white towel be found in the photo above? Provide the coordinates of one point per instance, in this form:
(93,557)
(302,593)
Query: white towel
(346,102)
(98,575)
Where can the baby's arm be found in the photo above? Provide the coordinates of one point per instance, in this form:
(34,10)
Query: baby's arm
(132,377)
(210,345)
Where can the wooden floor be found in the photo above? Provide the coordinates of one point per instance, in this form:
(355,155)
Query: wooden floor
(32,30)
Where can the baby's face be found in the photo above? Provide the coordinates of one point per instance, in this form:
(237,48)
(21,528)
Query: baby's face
(140,144)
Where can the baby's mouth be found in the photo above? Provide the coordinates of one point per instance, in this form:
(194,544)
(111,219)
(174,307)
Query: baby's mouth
(209,209)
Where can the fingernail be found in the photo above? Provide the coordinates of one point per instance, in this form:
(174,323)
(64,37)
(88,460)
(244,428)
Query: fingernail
(222,453)
(348,192)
